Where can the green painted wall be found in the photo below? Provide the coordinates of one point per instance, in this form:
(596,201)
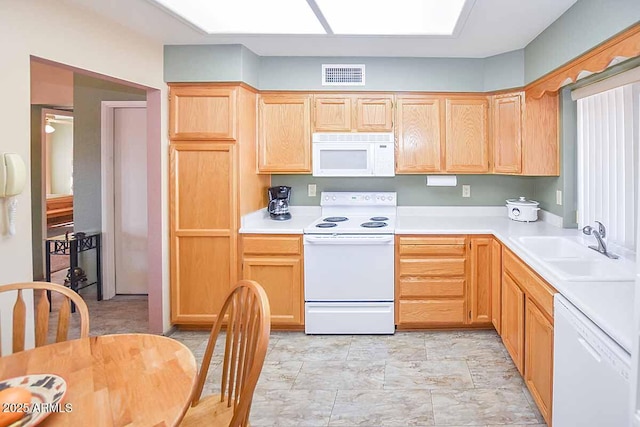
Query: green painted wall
(586,24)
(227,63)
(486,190)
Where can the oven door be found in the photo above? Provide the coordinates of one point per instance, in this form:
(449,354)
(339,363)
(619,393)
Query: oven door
(348,268)
(343,159)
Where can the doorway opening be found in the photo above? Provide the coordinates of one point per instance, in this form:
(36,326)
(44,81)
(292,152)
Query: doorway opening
(80,205)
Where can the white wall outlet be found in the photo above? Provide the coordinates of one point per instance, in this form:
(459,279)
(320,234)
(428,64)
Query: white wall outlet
(558,197)
(466,191)
(311,190)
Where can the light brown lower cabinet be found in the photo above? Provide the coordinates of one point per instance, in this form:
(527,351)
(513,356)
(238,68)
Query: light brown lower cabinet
(538,360)
(275,261)
(527,328)
(513,320)
(431,277)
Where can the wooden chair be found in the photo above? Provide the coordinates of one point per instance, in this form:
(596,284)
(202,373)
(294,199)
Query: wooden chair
(247,315)
(41,313)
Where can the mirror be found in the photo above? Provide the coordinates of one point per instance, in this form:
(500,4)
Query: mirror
(58,166)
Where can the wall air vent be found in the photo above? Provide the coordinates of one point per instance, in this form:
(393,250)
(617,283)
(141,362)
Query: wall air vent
(342,74)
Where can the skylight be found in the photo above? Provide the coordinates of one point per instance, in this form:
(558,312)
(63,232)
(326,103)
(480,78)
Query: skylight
(247,16)
(392,17)
(349,17)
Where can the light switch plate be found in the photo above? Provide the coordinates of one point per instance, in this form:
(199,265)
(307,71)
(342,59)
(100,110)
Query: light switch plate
(311,190)
(466,191)
(558,197)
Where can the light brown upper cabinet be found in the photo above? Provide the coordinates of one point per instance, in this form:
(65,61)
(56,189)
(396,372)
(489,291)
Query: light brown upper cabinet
(353,113)
(284,133)
(540,153)
(507,133)
(332,113)
(202,113)
(467,136)
(419,134)
(374,114)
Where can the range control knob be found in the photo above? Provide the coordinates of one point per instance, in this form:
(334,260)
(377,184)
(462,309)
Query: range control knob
(390,198)
(326,197)
(382,198)
(367,197)
(333,198)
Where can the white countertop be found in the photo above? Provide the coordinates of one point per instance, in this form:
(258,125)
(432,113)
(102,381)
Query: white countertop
(608,304)
(259,222)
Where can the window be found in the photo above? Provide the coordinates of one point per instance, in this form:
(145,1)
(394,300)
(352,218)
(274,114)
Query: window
(608,162)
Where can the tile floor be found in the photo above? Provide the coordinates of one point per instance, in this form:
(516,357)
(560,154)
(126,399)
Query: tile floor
(443,378)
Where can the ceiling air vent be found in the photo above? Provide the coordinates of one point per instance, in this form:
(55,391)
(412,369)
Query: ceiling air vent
(342,74)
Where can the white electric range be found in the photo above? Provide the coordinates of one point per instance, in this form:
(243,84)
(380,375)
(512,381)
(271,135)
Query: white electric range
(349,264)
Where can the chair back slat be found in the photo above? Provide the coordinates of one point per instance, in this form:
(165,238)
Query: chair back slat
(63,321)
(42,312)
(235,335)
(248,324)
(42,318)
(19,323)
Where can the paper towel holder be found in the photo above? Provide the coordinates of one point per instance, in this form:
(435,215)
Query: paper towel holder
(442,180)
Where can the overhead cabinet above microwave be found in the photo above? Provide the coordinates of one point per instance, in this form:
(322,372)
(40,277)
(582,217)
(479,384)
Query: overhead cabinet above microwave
(353,154)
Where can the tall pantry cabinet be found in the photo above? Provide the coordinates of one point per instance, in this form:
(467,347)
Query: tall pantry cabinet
(212,182)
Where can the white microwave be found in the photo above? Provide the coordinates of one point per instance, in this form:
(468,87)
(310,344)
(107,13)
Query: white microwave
(353,154)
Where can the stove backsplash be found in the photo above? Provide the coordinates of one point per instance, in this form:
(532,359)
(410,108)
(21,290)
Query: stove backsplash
(486,190)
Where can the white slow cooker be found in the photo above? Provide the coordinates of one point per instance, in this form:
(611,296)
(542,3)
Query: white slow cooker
(522,209)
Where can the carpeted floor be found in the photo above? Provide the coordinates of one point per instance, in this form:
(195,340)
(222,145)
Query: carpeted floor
(59,262)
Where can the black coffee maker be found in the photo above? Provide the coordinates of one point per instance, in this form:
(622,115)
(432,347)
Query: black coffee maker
(279,199)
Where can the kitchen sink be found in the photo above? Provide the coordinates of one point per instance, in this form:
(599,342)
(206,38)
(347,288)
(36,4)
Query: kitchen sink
(551,247)
(574,261)
(592,270)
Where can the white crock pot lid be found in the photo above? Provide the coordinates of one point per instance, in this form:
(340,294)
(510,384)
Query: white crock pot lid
(522,201)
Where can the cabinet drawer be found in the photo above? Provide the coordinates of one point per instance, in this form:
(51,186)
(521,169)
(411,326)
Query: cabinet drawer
(432,250)
(272,245)
(432,312)
(432,240)
(433,267)
(532,285)
(416,287)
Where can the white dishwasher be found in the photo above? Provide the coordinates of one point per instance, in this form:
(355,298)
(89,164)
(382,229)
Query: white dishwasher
(591,372)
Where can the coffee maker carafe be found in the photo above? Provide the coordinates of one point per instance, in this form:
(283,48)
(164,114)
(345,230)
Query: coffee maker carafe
(279,202)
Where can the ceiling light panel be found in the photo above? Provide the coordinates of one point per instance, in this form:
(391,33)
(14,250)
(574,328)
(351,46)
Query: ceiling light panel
(392,17)
(247,16)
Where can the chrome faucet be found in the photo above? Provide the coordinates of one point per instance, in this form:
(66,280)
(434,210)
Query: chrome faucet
(599,234)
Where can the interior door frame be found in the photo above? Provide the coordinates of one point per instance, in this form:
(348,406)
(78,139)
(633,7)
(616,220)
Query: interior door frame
(107,110)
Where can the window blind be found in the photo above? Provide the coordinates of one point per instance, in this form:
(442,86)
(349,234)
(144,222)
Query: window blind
(608,162)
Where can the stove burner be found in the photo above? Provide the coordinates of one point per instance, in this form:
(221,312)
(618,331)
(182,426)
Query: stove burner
(373,224)
(379,218)
(336,219)
(326,225)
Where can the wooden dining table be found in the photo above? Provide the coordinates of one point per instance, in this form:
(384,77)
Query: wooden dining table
(114,380)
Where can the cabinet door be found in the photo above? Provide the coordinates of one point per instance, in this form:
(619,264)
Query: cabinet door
(202,224)
(507,135)
(332,113)
(374,114)
(284,134)
(496,284)
(281,278)
(202,113)
(538,370)
(480,281)
(541,148)
(467,142)
(420,137)
(513,320)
